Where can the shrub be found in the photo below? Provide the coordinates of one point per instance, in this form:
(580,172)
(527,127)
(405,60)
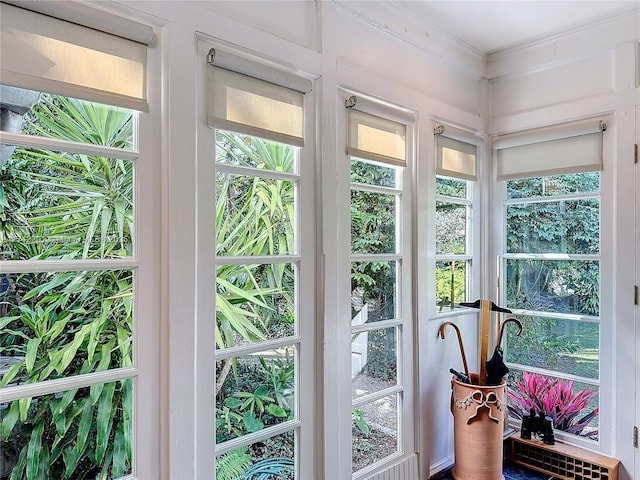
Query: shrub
(556,397)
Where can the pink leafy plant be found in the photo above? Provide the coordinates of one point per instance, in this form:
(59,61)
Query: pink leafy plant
(557,399)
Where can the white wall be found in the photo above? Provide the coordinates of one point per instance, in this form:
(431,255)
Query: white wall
(344,44)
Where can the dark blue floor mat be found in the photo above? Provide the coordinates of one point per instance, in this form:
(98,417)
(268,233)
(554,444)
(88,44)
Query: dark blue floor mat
(510,472)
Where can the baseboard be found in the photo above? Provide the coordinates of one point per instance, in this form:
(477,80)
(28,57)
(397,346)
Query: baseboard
(441,466)
(407,469)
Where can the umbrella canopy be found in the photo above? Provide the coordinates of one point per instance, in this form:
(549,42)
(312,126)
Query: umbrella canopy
(496,368)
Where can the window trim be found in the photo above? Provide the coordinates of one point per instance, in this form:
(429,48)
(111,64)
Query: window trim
(406,350)
(607,274)
(304,426)
(144,264)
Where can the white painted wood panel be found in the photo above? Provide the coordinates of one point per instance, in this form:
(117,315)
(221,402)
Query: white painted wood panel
(385,56)
(581,79)
(297,22)
(565,47)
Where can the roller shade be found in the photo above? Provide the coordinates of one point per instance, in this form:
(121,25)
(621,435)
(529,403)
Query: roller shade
(43,53)
(455,158)
(375,138)
(570,149)
(244,102)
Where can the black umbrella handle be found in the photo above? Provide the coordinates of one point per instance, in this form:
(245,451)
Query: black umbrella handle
(508,320)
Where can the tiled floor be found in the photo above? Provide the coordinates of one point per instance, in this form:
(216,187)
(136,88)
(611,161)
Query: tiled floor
(511,472)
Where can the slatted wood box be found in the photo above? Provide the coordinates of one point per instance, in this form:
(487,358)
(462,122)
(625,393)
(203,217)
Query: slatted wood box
(563,461)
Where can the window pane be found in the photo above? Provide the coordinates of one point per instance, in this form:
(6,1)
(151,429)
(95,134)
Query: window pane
(573,406)
(451,228)
(254,392)
(254,303)
(373,291)
(451,282)
(571,226)
(81,433)
(372,174)
(562,286)
(273,458)
(374,361)
(373,222)
(554,185)
(66,206)
(55,325)
(54,116)
(560,345)
(374,431)
(451,187)
(254,216)
(247,151)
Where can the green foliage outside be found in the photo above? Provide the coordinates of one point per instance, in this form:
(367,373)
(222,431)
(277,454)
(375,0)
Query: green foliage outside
(56,205)
(255,216)
(450,277)
(373,231)
(562,286)
(451,238)
(552,226)
(261,395)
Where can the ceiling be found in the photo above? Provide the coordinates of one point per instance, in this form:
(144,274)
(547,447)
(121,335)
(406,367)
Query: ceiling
(493,25)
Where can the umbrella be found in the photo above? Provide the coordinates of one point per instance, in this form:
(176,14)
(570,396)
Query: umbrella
(464,358)
(485,306)
(496,368)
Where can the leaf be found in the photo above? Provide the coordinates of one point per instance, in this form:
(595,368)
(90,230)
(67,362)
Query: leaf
(276,411)
(232,402)
(45,462)
(4,321)
(70,456)
(32,352)
(24,404)
(9,420)
(104,420)
(18,469)
(58,326)
(127,420)
(124,345)
(69,350)
(60,421)
(119,459)
(104,229)
(97,209)
(251,423)
(84,425)
(11,373)
(104,473)
(33,450)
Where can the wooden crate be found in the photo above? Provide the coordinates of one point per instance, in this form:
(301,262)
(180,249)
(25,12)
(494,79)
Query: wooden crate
(563,461)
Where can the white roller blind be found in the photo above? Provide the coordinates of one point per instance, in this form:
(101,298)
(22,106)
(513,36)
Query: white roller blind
(375,138)
(574,150)
(42,53)
(255,107)
(455,158)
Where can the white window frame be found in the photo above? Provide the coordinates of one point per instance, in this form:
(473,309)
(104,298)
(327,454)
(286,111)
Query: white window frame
(148,328)
(405,342)
(306,420)
(606,381)
(144,263)
(474,231)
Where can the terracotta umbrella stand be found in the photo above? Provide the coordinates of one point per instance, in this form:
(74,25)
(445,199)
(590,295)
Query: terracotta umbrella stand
(478,426)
